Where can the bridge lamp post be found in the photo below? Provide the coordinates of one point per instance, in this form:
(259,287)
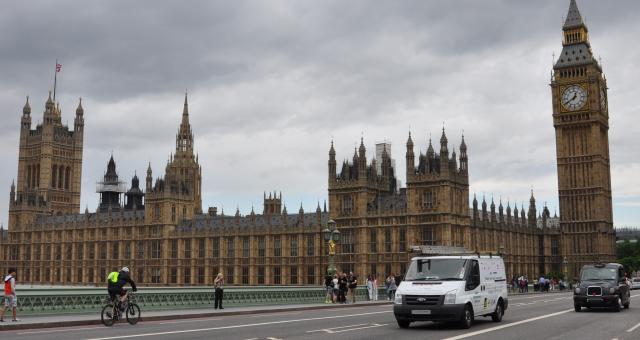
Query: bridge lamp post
(332,237)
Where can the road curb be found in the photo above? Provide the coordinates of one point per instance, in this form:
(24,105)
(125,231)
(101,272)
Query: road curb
(73,323)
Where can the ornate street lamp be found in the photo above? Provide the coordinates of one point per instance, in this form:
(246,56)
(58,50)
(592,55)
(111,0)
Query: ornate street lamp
(331,236)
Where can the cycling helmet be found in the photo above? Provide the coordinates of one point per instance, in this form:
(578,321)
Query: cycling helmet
(125,269)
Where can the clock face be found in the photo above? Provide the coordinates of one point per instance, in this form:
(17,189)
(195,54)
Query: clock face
(574,97)
(603,99)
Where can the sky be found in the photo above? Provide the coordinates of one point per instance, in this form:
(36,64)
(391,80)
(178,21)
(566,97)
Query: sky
(271,83)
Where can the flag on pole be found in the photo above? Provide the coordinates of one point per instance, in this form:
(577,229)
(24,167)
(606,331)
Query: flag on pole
(58,67)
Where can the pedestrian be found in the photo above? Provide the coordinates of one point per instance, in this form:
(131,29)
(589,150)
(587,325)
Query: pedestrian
(218,285)
(375,287)
(335,283)
(526,284)
(343,285)
(10,298)
(392,287)
(370,287)
(352,280)
(328,285)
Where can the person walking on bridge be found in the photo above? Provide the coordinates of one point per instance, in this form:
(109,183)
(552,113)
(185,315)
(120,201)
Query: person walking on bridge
(10,298)
(218,283)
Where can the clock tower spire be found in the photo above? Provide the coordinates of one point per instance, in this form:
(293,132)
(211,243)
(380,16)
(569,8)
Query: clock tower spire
(581,122)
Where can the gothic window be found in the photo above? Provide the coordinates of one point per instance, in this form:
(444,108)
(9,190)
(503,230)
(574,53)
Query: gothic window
(38,175)
(428,236)
(374,243)
(347,241)
(174,249)
(245,275)
(60,177)
(66,177)
(277,246)
(293,243)
(216,247)
(230,248)
(276,275)
(230,274)
(127,250)
(200,275)
(347,205)
(187,248)
(310,245)
(173,213)
(140,249)
(28,179)
(156,211)
(173,276)
(554,247)
(293,273)
(260,275)
(311,275)
(116,250)
(54,173)
(201,248)
(428,199)
(245,247)
(402,235)
(156,275)
(187,276)
(387,240)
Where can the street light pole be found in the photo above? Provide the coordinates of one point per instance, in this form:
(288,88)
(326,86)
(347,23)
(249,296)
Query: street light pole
(332,237)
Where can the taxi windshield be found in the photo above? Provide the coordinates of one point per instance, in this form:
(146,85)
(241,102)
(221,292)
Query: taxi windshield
(436,270)
(596,274)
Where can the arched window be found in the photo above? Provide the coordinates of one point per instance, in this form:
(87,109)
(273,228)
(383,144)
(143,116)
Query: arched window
(38,175)
(28,176)
(66,177)
(60,176)
(54,173)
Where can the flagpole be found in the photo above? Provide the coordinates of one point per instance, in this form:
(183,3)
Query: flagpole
(55,79)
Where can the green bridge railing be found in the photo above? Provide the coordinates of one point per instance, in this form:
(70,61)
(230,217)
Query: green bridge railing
(35,301)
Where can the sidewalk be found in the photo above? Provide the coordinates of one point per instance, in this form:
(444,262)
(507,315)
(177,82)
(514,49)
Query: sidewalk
(51,321)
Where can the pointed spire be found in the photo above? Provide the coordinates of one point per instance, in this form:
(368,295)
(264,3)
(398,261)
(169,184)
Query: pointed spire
(318,208)
(26,110)
(301,211)
(325,206)
(185,110)
(463,145)
(362,149)
(430,152)
(79,109)
(149,169)
(332,151)
(443,141)
(49,103)
(574,19)
(409,141)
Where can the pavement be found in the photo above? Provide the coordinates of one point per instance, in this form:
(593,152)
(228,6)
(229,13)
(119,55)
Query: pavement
(536,316)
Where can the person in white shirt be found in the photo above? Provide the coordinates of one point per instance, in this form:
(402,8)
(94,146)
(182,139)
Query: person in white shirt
(10,298)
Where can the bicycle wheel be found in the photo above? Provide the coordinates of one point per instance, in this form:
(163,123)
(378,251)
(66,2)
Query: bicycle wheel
(107,315)
(133,314)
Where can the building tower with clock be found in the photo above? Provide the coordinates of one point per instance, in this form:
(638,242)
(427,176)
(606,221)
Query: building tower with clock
(581,122)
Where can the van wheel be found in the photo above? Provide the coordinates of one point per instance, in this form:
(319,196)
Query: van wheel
(403,323)
(497,315)
(467,317)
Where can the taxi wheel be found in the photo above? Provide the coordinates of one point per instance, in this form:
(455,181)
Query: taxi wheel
(403,323)
(577,308)
(616,307)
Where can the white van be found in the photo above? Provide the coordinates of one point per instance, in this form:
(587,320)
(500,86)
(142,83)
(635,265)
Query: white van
(452,288)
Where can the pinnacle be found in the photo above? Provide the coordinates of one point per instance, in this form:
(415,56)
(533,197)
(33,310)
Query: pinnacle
(574,19)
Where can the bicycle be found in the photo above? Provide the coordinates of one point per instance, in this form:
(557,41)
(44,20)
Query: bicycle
(111,313)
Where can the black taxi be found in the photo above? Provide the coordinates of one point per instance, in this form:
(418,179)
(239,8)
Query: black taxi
(602,285)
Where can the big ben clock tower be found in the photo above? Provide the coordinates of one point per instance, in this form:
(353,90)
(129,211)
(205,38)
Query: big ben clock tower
(581,121)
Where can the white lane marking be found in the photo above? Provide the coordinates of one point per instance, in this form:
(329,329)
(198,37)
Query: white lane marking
(236,326)
(365,327)
(273,314)
(61,330)
(272,338)
(332,328)
(633,328)
(467,335)
(185,321)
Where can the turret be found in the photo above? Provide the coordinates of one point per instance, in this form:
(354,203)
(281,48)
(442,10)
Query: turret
(149,179)
(453,163)
(484,209)
(522,215)
(12,195)
(362,160)
(532,211)
(493,210)
(444,154)
(500,213)
(332,164)
(410,156)
(79,120)
(475,207)
(26,117)
(464,161)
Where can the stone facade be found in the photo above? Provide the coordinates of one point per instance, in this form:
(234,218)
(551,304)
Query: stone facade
(163,235)
(581,121)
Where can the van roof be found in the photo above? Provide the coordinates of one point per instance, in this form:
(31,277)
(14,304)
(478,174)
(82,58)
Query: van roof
(458,257)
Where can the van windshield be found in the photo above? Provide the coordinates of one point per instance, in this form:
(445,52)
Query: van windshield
(436,270)
(597,274)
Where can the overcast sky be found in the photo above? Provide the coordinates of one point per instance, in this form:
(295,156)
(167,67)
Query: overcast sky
(272,82)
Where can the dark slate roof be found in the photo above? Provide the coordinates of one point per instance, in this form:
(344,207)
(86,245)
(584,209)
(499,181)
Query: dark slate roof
(201,222)
(573,55)
(574,19)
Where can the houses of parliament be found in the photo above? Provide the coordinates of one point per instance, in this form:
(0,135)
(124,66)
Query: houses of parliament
(162,233)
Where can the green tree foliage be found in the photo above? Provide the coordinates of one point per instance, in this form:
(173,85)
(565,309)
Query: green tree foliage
(628,255)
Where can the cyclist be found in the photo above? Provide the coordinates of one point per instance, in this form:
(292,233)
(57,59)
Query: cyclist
(116,282)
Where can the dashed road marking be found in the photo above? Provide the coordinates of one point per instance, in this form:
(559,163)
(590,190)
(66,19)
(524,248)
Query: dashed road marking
(341,329)
(633,328)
